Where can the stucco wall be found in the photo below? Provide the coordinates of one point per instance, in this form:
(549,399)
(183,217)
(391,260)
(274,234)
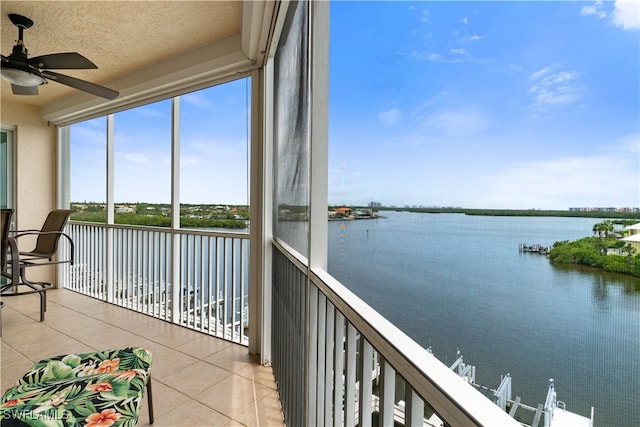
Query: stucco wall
(35,151)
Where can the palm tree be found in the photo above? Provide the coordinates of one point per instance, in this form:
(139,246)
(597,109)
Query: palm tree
(597,229)
(607,227)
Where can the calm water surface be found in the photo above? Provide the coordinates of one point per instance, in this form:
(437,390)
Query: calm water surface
(459,282)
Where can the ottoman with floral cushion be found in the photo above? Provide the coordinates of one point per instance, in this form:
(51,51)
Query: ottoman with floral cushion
(98,389)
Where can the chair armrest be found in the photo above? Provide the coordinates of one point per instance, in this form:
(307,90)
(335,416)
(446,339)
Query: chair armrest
(14,232)
(14,262)
(40,233)
(34,233)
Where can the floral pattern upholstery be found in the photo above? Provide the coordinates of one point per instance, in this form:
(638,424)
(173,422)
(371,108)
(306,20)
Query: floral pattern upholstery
(99,389)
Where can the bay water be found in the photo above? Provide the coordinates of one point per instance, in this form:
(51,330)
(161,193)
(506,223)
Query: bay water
(458,282)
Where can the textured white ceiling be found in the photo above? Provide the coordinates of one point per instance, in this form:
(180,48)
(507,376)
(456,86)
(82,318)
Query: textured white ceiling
(120,37)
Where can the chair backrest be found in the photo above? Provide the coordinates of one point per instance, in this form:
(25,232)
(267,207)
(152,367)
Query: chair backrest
(5,223)
(47,242)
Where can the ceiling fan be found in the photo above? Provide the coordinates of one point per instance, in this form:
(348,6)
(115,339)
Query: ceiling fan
(26,74)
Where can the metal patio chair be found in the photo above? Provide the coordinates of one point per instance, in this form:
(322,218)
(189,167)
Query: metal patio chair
(46,247)
(8,267)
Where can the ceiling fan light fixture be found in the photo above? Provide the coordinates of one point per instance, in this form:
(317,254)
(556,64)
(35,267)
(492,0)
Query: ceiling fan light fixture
(26,74)
(21,77)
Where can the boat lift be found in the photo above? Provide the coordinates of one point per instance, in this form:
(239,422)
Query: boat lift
(552,414)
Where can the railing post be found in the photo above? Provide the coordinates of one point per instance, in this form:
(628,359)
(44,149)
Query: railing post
(413,408)
(350,373)
(387,392)
(366,383)
(312,352)
(176,288)
(338,377)
(108,275)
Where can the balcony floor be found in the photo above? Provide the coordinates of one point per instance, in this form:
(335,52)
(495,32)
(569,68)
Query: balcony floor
(198,380)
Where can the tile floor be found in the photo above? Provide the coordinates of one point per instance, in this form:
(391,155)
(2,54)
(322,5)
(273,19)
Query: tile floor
(198,380)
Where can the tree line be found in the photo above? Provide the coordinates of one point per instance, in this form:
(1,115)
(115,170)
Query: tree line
(603,250)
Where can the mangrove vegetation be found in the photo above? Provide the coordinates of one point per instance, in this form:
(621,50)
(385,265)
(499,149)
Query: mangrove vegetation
(603,250)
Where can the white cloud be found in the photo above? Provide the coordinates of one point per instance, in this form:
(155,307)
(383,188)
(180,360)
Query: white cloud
(473,38)
(454,123)
(425,16)
(465,20)
(631,143)
(551,88)
(561,183)
(626,14)
(197,99)
(148,111)
(137,158)
(390,117)
(540,73)
(459,52)
(434,57)
(594,9)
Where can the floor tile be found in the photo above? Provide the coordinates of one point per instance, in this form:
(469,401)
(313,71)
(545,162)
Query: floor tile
(198,380)
(191,413)
(232,396)
(203,347)
(165,399)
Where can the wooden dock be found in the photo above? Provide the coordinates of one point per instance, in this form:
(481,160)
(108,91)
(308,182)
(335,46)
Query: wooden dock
(534,249)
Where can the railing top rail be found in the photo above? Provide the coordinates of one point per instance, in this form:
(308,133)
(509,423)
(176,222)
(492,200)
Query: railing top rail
(186,231)
(454,399)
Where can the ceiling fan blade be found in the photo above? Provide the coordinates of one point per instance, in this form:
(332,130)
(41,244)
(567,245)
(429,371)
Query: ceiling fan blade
(4,58)
(65,61)
(24,90)
(85,86)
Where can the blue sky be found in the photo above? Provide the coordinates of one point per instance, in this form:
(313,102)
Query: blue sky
(485,104)
(213,150)
(504,104)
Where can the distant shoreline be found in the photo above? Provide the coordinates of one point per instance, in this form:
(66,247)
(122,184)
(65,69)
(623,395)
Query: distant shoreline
(521,212)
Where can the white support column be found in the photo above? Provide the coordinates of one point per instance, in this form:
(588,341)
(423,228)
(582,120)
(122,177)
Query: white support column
(62,189)
(109,278)
(318,239)
(176,285)
(318,194)
(64,167)
(261,181)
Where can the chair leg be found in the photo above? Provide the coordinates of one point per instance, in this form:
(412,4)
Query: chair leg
(43,304)
(150,400)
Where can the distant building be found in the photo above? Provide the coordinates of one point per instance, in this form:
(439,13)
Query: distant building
(601,209)
(375,204)
(634,236)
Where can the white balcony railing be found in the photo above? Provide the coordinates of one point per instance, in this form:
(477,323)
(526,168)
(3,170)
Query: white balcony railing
(137,267)
(336,360)
(352,366)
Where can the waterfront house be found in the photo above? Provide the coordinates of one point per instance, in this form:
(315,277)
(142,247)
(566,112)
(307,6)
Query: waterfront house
(632,229)
(302,340)
(633,236)
(341,213)
(633,240)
